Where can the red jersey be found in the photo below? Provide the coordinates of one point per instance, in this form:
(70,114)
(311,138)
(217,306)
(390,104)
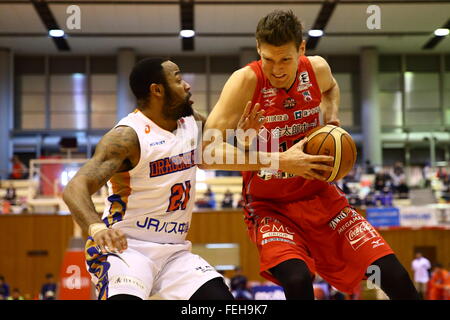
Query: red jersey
(289,115)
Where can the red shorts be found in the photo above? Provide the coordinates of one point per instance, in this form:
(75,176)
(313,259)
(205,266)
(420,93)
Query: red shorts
(339,247)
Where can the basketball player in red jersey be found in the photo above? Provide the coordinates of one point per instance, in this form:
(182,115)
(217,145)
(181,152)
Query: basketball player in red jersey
(300,223)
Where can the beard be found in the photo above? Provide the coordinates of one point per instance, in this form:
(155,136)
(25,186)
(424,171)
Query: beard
(177,109)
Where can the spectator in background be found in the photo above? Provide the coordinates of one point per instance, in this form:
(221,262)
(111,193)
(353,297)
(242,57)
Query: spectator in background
(421,266)
(380,181)
(399,181)
(369,169)
(4,288)
(238,286)
(19,169)
(441,173)
(227,201)
(16,295)
(426,174)
(208,200)
(438,283)
(48,290)
(10,194)
(446,189)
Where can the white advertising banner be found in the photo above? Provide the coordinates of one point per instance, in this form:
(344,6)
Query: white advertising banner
(417,217)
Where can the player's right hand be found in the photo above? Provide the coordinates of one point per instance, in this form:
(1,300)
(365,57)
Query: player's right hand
(295,161)
(111,240)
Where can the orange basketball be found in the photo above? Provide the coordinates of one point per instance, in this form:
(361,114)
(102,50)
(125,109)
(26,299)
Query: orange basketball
(333,141)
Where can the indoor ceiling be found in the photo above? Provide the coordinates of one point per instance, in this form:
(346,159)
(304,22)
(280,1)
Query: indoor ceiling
(222,27)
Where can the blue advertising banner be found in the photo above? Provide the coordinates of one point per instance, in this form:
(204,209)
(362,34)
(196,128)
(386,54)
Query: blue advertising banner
(383,217)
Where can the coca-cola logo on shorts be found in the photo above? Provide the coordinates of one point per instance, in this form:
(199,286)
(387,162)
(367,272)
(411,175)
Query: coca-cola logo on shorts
(360,234)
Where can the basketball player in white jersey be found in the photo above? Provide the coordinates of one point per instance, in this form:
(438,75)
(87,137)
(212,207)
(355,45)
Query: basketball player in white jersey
(138,247)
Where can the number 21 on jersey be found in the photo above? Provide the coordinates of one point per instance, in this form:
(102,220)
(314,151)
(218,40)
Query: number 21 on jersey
(180,195)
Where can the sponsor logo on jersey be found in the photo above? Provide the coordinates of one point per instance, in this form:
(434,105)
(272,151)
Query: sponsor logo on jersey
(270,228)
(277,118)
(349,223)
(172,164)
(342,215)
(306,113)
(360,234)
(303,77)
(269,92)
(376,243)
(157,143)
(265,241)
(289,103)
(204,269)
(294,129)
(302,87)
(307,96)
(147,129)
(128,281)
(269,102)
(267,175)
(156,225)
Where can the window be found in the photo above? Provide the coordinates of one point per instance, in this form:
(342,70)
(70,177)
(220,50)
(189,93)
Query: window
(344,81)
(68,101)
(390,99)
(103,100)
(31,99)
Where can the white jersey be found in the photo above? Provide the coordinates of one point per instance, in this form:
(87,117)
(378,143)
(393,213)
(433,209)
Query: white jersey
(154,201)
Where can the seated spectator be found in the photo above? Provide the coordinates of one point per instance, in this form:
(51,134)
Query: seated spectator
(369,169)
(446,189)
(227,201)
(10,194)
(399,181)
(4,288)
(441,174)
(48,290)
(19,169)
(238,286)
(208,200)
(15,295)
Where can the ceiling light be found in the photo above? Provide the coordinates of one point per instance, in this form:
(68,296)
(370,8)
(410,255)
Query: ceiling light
(56,33)
(187,33)
(315,33)
(441,32)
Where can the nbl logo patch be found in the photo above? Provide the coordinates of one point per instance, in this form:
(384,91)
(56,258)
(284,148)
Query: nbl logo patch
(289,103)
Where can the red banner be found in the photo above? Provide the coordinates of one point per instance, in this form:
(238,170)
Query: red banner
(75,280)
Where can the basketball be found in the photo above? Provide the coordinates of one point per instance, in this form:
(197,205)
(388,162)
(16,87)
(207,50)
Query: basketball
(333,141)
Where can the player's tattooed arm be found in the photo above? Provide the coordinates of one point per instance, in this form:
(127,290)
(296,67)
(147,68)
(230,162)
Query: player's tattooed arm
(117,151)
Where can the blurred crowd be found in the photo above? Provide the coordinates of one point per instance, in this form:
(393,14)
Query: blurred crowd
(48,290)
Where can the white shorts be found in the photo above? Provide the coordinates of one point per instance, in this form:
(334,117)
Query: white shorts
(144,269)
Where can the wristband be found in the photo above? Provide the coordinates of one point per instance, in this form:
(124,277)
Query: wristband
(96,227)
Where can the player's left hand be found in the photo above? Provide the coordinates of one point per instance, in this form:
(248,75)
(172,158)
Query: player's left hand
(251,119)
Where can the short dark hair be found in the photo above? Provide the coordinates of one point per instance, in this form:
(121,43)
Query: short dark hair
(144,73)
(279,28)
